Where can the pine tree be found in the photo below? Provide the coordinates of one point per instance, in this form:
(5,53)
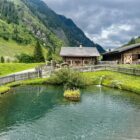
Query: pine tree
(2,59)
(49,54)
(38,54)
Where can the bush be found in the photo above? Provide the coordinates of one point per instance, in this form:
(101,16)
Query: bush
(2,59)
(68,78)
(25,58)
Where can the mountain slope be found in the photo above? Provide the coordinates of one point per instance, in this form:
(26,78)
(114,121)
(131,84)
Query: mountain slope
(64,28)
(133,41)
(22,22)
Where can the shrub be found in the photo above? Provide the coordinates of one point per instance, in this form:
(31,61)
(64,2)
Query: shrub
(2,59)
(70,79)
(116,84)
(25,58)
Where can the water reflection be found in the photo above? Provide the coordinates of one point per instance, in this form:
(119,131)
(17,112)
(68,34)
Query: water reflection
(37,112)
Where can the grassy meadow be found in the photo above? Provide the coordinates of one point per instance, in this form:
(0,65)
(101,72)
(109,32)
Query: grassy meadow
(11,48)
(8,68)
(115,80)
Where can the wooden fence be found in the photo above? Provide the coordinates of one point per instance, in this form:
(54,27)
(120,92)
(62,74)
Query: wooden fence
(20,77)
(48,70)
(131,71)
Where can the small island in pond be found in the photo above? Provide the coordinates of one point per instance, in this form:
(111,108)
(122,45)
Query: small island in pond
(73,95)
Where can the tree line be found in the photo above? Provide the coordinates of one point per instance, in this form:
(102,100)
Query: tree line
(8,11)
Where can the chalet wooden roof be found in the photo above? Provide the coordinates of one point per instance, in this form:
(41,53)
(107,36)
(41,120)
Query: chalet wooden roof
(123,49)
(79,51)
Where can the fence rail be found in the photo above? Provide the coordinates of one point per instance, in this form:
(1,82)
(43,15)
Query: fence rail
(19,77)
(131,71)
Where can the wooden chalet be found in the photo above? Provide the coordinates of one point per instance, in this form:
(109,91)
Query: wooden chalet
(124,55)
(79,56)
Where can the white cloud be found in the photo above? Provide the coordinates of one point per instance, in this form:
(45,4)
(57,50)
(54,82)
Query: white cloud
(114,30)
(110,23)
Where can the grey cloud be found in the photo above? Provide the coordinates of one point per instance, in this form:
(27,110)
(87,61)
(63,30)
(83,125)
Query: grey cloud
(108,22)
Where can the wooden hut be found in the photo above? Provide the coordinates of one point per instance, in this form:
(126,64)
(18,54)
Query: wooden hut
(124,55)
(79,56)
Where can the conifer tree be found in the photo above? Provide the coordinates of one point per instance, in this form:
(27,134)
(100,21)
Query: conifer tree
(2,59)
(38,54)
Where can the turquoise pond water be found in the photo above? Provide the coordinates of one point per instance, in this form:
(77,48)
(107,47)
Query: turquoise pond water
(41,113)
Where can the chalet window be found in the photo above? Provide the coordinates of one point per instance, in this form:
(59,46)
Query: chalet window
(86,62)
(77,62)
(69,62)
(138,56)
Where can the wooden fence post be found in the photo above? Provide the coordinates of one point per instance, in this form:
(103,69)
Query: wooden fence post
(40,73)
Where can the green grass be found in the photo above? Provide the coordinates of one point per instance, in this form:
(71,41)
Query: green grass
(115,80)
(4,89)
(38,81)
(72,93)
(8,68)
(130,66)
(11,48)
(105,78)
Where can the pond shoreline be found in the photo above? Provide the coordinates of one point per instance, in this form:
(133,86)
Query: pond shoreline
(103,78)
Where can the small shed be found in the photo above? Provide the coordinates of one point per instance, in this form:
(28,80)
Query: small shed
(124,55)
(79,56)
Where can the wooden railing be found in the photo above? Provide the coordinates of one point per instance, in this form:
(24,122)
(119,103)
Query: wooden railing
(20,77)
(131,71)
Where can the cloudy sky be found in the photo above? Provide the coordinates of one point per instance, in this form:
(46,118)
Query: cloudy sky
(110,23)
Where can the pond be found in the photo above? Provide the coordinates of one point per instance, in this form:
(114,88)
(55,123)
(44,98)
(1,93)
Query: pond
(41,113)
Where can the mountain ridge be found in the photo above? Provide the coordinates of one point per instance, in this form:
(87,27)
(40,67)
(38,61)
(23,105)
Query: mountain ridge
(33,19)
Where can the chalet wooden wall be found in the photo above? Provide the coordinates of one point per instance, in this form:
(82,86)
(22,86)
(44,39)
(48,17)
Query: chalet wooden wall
(80,61)
(131,55)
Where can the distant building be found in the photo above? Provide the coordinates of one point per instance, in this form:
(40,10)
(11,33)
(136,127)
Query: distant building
(124,55)
(79,56)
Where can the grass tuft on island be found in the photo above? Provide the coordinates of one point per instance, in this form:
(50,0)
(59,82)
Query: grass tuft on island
(73,95)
